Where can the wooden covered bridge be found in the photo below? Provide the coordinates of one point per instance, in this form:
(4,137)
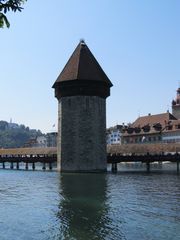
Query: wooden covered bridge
(28,156)
(145,153)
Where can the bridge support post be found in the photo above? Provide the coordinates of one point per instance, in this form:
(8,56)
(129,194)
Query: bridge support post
(44,166)
(17,165)
(50,166)
(33,165)
(12,165)
(177,165)
(114,167)
(148,166)
(3,165)
(26,166)
(160,164)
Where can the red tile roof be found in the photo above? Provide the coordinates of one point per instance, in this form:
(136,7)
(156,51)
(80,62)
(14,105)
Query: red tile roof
(162,118)
(166,121)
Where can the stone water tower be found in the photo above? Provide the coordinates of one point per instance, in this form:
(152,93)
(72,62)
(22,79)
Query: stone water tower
(81,89)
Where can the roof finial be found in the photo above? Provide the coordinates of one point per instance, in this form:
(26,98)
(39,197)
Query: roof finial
(82,41)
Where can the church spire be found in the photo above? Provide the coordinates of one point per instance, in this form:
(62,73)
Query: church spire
(176,104)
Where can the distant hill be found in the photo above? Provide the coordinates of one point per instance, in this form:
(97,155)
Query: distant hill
(13,135)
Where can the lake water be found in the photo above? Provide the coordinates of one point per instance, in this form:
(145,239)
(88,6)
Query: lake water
(52,206)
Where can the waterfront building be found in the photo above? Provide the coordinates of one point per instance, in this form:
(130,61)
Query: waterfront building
(39,141)
(148,129)
(113,135)
(30,143)
(51,139)
(81,89)
(172,132)
(164,127)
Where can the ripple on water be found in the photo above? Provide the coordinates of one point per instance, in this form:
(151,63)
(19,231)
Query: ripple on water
(47,205)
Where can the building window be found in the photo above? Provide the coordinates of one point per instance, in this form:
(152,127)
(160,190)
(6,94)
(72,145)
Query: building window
(169,127)
(178,126)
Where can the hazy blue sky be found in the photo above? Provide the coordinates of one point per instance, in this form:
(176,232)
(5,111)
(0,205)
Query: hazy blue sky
(137,43)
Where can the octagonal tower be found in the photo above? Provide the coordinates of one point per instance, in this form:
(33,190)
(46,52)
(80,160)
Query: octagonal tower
(81,89)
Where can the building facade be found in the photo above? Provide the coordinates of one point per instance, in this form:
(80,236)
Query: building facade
(39,141)
(163,127)
(148,129)
(113,135)
(51,139)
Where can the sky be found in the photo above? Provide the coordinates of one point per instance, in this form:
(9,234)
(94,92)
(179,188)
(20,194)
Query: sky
(136,42)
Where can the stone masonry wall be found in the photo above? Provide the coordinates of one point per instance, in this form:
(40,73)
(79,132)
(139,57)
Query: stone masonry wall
(82,134)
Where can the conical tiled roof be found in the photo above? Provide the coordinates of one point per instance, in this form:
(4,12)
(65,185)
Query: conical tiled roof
(82,65)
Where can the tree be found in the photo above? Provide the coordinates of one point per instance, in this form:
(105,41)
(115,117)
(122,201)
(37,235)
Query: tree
(3,125)
(6,6)
(16,137)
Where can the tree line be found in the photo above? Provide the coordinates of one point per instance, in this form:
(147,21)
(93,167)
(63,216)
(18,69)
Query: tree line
(13,135)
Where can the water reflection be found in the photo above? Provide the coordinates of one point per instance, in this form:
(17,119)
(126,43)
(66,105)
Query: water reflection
(83,209)
(50,206)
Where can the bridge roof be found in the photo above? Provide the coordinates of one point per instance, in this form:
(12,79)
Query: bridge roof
(116,148)
(152,148)
(29,151)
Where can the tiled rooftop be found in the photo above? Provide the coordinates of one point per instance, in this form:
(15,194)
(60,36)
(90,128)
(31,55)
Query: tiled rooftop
(82,65)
